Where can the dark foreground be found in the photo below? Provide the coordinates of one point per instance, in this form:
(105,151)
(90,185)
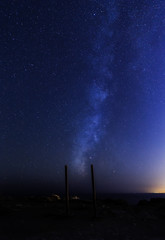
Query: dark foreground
(41,218)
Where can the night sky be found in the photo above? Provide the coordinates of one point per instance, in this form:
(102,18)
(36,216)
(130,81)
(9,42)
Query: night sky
(81,82)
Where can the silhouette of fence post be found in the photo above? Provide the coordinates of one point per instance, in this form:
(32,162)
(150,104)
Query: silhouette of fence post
(66,190)
(93,190)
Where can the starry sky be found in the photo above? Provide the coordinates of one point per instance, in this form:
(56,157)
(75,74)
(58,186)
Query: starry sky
(82,82)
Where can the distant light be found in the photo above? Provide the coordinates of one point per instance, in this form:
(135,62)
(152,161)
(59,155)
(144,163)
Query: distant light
(53,197)
(75,198)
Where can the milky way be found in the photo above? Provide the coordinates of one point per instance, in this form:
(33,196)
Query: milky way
(92,127)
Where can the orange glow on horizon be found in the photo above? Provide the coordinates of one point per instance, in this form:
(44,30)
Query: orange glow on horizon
(160,189)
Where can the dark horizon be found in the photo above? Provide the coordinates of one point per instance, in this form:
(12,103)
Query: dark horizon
(47,189)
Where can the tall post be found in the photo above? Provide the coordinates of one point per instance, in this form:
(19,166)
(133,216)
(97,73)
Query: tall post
(93,190)
(66,190)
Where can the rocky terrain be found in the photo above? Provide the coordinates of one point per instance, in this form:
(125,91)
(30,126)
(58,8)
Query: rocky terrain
(44,218)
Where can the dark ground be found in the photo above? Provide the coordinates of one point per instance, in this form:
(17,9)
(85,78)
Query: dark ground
(43,218)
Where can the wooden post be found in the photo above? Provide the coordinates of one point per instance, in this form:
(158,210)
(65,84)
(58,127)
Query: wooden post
(66,190)
(93,190)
